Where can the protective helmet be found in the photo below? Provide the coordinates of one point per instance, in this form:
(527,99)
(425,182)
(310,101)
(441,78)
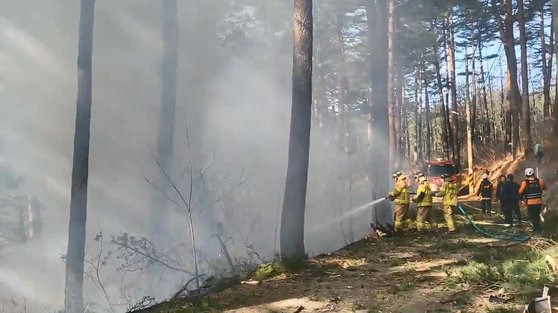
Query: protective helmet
(422,179)
(419,175)
(529,172)
(397,174)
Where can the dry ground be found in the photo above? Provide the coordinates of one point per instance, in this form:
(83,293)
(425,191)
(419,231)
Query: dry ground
(408,274)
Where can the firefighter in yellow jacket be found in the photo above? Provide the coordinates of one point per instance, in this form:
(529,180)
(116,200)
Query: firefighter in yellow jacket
(401,198)
(423,199)
(449,193)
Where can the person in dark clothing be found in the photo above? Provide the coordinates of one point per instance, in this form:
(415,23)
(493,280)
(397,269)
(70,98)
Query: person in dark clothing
(485,192)
(501,181)
(509,197)
(538,153)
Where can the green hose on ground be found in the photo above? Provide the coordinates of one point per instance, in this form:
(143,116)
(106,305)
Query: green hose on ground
(494,234)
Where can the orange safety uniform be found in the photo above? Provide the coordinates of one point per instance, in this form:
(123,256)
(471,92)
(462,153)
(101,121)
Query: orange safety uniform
(531,189)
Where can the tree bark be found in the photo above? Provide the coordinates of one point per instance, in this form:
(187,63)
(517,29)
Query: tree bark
(294,201)
(468,115)
(444,122)
(555,26)
(80,170)
(513,101)
(417,117)
(445,36)
(428,123)
(399,130)
(453,88)
(376,16)
(487,128)
(391,86)
(545,72)
(165,139)
(526,139)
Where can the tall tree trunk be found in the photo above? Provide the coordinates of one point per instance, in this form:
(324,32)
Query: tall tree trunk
(526,139)
(492,113)
(416,156)
(513,101)
(468,115)
(474,92)
(428,122)
(399,129)
(80,171)
(420,141)
(555,26)
(445,139)
(487,128)
(444,122)
(550,59)
(445,36)
(391,85)
(545,72)
(342,86)
(376,16)
(504,125)
(406,127)
(294,201)
(453,88)
(165,140)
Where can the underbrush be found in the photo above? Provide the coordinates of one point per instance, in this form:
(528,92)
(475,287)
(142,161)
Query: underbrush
(523,271)
(278,267)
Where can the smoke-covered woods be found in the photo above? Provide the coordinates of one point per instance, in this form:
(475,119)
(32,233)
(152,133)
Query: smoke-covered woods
(233,100)
(191,107)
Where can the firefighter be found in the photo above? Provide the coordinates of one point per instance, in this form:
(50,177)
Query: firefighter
(485,192)
(418,175)
(449,193)
(423,199)
(400,196)
(531,191)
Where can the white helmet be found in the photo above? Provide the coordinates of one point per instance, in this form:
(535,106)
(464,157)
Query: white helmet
(529,172)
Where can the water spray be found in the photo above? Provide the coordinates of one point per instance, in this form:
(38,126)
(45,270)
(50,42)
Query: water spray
(359,209)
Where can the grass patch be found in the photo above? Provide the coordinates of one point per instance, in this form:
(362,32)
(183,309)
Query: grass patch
(500,309)
(269,270)
(276,268)
(518,271)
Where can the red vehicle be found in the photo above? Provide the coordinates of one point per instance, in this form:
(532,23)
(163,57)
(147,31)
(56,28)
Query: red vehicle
(435,170)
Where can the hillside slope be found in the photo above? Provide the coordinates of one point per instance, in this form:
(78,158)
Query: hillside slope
(436,272)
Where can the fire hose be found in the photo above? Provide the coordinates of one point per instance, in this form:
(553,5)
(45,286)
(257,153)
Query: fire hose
(492,233)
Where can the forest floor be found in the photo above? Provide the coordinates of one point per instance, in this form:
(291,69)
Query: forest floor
(411,273)
(430,272)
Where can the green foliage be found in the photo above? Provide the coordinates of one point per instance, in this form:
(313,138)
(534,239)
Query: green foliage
(285,265)
(268,270)
(500,309)
(519,272)
(526,276)
(480,273)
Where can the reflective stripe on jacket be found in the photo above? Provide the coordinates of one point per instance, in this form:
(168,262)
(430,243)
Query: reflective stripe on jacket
(424,195)
(400,193)
(531,190)
(449,192)
(485,189)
